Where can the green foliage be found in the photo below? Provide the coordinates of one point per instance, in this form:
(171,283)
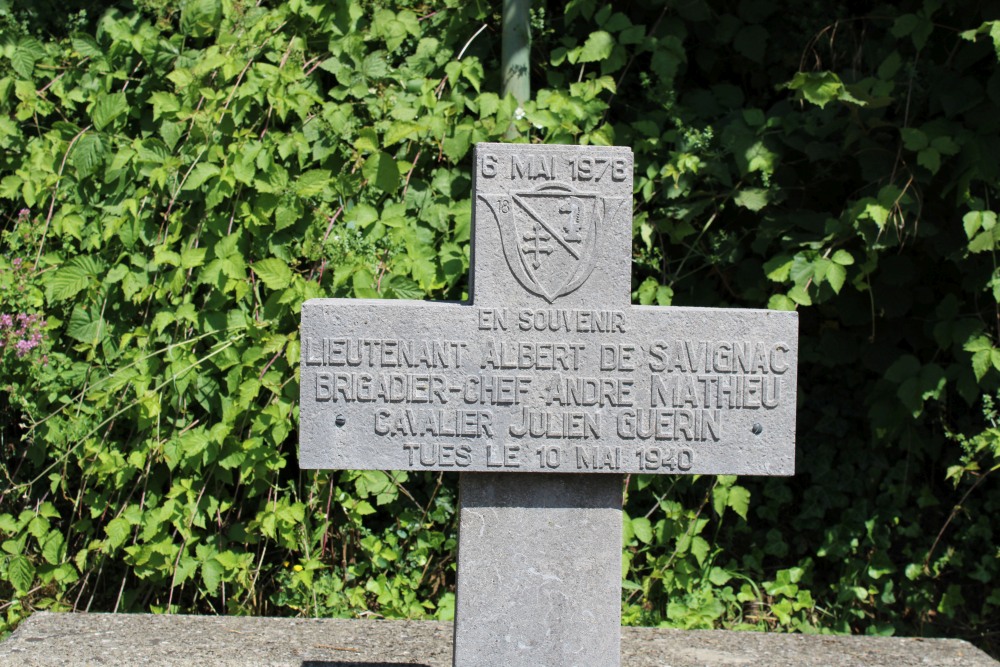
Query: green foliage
(848,179)
(188,178)
(179,177)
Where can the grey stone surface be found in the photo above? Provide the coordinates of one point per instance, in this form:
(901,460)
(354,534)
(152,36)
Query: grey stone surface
(539,556)
(124,640)
(549,368)
(539,570)
(546,236)
(645,417)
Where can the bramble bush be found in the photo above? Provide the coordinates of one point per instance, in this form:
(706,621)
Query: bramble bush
(176,179)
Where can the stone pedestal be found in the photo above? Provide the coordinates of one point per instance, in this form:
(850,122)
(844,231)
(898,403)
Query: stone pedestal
(539,570)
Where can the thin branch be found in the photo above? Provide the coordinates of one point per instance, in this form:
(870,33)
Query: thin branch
(55,191)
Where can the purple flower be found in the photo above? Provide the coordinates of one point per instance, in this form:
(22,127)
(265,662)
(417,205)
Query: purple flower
(25,346)
(22,332)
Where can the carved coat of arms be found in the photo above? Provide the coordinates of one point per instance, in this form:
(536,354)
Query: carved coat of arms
(550,235)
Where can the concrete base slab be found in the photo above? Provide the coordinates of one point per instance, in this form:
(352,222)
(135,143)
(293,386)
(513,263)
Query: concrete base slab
(114,640)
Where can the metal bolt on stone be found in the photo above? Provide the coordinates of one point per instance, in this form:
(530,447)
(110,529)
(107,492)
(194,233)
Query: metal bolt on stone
(543,391)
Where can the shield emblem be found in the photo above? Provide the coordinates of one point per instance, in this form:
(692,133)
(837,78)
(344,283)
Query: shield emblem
(550,234)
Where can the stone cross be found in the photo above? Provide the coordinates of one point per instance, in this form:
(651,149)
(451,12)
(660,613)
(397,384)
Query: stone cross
(551,374)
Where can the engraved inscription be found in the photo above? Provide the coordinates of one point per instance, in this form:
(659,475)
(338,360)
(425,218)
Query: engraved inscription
(504,390)
(548,367)
(569,321)
(371,352)
(435,423)
(552,167)
(545,424)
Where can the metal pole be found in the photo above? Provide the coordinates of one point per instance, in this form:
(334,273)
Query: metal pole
(515,53)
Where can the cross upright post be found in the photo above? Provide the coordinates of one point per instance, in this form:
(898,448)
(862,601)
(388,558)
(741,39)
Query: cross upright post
(546,377)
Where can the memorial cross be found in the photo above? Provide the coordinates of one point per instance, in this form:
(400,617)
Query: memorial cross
(550,372)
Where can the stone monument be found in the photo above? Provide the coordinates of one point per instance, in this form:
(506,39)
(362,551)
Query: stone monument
(550,374)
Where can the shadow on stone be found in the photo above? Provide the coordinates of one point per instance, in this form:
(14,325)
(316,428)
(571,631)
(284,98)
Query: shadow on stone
(330,663)
(549,491)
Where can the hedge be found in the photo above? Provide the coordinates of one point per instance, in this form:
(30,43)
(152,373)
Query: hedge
(176,181)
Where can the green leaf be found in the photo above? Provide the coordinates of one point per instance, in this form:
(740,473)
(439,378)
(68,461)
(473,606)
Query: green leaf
(87,155)
(777,268)
(274,272)
(199,174)
(780,302)
(381,171)
(700,548)
(982,361)
(978,344)
(367,141)
(287,215)
(191,258)
(799,295)
(993,29)
(26,53)
(836,275)
(364,508)
(843,258)
(472,70)
(362,215)
(917,27)
(74,276)
(200,18)
(597,47)
(647,291)
(890,66)
(108,108)
(401,287)
(739,500)
(212,572)
(914,139)
(229,560)
(930,159)
(876,212)
(86,45)
(118,530)
(38,527)
(945,145)
(643,529)
(984,241)
(86,325)
(446,608)
(753,199)
(20,573)
(720,494)
(973,221)
(820,88)
(718,576)
(913,571)
(52,548)
(312,182)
